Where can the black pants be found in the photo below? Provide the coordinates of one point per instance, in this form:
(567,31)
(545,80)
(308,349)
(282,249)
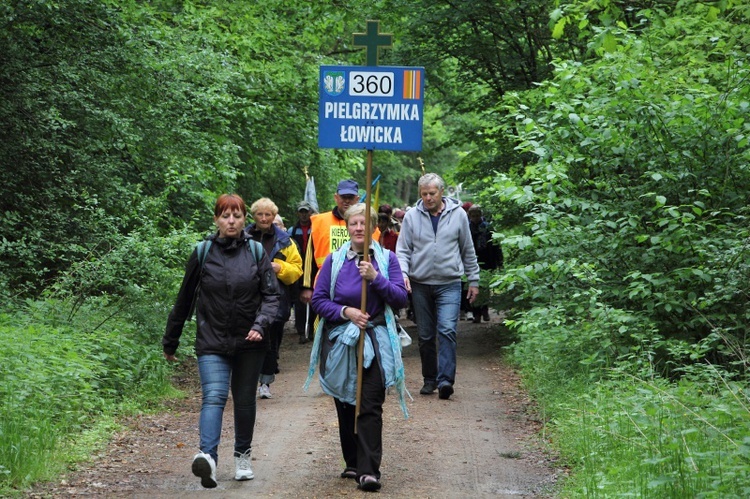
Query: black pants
(271,360)
(363,451)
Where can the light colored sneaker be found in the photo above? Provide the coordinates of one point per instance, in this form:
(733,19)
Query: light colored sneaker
(469,316)
(205,468)
(265,392)
(242,467)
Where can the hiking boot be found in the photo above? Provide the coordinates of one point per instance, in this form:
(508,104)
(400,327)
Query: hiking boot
(242,470)
(469,316)
(428,388)
(302,339)
(445,391)
(265,392)
(204,467)
(486,316)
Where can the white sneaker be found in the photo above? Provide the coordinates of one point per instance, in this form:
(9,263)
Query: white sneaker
(469,316)
(265,392)
(205,468)
(242,470)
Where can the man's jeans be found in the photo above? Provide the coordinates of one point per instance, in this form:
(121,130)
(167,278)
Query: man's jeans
(216,373)
(436,309)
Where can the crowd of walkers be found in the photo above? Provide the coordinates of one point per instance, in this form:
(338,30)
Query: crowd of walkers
(346,275)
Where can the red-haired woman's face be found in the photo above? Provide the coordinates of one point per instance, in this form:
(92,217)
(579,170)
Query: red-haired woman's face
(230,222)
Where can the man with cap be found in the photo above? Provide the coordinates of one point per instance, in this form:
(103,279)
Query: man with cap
(300,232)
(328,234)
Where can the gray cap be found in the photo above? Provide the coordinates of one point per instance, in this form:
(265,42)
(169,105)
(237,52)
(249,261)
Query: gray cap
(305,206)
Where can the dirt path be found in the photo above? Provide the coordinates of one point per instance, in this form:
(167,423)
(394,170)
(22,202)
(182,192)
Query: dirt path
(481,443)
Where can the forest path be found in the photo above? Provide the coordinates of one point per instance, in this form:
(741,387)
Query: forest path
(482,442)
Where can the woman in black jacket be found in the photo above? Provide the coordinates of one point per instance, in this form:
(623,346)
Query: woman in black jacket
(233,285)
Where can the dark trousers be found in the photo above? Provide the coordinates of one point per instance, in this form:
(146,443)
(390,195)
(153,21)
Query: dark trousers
(363,451)
(271,360)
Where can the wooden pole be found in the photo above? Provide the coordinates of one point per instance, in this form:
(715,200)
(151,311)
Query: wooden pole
(363,303)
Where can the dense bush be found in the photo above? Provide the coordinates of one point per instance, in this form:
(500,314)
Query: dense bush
(81,355)
(637,203)
(629,279)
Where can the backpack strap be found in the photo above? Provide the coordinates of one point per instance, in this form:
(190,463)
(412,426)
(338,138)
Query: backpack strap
(204,246)
(202,250)
(256,249)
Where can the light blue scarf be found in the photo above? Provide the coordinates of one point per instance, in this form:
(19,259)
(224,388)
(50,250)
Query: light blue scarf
(340,380)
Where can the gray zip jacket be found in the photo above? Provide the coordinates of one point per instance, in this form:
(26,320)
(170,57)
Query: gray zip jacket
(433,258)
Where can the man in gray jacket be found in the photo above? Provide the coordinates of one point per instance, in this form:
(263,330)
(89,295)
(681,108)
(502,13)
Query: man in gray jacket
(435,250)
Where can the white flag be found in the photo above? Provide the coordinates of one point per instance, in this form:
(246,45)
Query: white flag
(310,195)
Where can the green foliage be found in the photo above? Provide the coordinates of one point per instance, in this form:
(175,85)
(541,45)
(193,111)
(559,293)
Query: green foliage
(628,277)
(125,115)
(641,181)
(651,438)
(59,374)
(607,141)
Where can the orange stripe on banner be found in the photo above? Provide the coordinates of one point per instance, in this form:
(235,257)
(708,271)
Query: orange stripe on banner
(412,84)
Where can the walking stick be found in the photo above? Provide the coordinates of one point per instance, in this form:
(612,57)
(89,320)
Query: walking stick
(307,319)
(363,303)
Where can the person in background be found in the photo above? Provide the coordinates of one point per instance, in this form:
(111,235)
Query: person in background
(388,210)
(337,299)
(287,265)
(300,233)
(328,233)
(279,222)
(236,298)
(388,236)
(398,218)
(435,251)
(466,310)
(489,255)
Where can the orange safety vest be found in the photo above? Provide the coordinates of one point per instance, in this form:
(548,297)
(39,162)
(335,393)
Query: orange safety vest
(327,234)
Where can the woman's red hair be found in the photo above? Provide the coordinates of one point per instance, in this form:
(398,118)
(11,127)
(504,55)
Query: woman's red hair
(229,202)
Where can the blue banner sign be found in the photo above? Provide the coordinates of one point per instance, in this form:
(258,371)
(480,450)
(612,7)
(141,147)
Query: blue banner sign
(371,107)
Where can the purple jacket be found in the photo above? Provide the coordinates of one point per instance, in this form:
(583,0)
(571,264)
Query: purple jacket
(348,290)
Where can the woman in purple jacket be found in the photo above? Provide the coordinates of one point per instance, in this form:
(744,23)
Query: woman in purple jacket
(337,299)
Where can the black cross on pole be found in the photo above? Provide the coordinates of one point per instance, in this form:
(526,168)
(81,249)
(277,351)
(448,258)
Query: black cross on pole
(372,40)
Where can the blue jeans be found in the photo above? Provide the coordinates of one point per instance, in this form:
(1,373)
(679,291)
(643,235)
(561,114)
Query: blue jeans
(217,372)
(436,309)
